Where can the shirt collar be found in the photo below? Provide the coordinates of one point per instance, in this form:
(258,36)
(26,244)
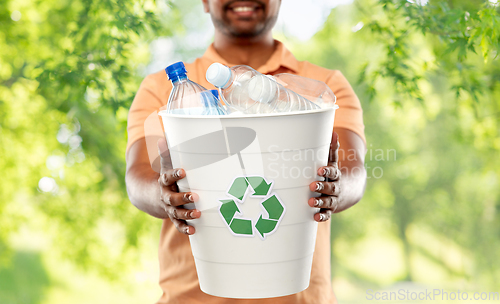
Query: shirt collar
(281,57)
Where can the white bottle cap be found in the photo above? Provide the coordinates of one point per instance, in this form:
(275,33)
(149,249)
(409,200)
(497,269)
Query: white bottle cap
(262,89)
(218,74)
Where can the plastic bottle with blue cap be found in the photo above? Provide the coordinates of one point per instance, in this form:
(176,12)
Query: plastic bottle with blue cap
(190,98)
(211,103)
(250,92)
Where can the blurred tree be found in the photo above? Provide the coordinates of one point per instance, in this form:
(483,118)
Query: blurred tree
(68,73)
(25,280)
(429,88)
(463,38)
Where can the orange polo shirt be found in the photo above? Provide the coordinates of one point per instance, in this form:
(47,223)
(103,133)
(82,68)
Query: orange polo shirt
(178,278)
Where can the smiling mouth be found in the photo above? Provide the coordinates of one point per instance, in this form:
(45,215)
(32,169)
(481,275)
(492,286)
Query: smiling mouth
(242,9)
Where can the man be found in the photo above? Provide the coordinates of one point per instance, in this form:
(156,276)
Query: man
(242,36)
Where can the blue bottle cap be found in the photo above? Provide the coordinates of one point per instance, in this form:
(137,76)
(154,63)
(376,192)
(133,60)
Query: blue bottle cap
(176,70)
(215,93)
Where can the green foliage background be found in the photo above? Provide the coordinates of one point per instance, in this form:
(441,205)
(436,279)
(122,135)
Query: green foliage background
(428,78)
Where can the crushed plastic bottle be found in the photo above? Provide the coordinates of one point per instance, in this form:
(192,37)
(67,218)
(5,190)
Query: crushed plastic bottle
(251,92)
(188,97)
(311,89)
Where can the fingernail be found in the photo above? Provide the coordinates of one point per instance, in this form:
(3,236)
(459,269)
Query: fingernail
(164,178)
(177,173)
(318,202)
(319,186)
(326,171)
(191,214)
(322,217)
(190,198)
(338,173)
(186,230)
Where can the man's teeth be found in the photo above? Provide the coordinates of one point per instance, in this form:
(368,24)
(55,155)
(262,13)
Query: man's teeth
(243,9)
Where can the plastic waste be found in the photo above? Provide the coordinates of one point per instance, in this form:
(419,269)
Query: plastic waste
(232,84)
(188,97)
(211,103)
(268,92)
(311,89)
(251,92)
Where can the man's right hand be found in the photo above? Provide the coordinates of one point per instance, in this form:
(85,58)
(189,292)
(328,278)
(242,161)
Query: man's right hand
(172,201)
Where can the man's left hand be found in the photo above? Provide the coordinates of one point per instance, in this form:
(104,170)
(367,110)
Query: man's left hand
(328,202)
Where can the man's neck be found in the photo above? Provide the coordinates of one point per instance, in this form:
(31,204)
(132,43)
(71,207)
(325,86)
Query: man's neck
(252,52)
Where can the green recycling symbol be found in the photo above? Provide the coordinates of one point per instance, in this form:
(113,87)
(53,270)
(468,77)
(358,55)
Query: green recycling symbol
(265,225)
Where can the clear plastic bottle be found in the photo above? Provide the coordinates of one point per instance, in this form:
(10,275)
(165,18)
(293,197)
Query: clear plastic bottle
(311,89)
(251,92)
(268,92)
(188,97)
(232,84)
(211,103)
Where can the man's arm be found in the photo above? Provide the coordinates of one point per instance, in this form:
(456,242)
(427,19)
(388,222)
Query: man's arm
(346,175)
(157,193)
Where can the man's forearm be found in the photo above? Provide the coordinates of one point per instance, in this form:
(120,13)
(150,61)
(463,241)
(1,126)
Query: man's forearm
(144,191)
(142,181)
(351,164)
(352,186)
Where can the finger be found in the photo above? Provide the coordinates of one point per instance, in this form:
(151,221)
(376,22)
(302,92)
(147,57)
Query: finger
(183,227)
(334,149)
(175,213)
(178,199)
(331,172)
(324,202)
(335,137)
(323,215)
(169,177)
(328,188)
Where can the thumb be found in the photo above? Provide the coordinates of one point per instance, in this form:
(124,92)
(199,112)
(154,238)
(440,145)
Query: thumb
(335,137)
(334,149)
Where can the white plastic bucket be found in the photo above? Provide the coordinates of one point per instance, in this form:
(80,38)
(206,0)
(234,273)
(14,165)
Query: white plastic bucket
(264,250)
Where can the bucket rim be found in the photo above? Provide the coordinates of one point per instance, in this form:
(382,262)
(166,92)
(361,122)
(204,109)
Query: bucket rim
(164,113)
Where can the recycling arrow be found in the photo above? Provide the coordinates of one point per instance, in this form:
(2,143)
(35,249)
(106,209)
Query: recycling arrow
(239,188)
(273,207)
(239,226)
(271,204)
(259,185)
(228,209)
(265,226)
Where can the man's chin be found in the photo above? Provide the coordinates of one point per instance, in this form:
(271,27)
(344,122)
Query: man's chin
(243,35)
(245,32)
(240,29)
